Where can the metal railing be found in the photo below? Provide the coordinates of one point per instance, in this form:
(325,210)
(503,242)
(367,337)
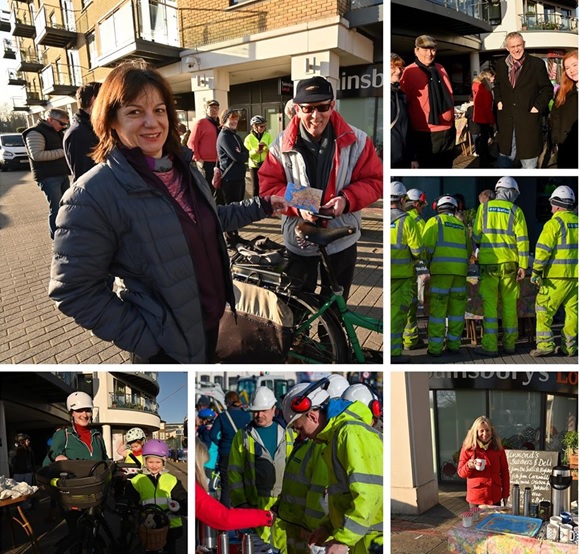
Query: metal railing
(548,22)
(479,9)
(41,22)
(65,75)
(360,4)
(22,16)
(27,56)
(126,401)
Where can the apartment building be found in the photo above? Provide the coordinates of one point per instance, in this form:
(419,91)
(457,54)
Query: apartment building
(247,54)
(35,403)
(470,34)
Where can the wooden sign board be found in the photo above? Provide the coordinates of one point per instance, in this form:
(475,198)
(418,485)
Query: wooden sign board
(532,468)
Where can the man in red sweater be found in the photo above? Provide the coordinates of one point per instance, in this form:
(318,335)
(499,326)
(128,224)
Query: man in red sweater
(203,140)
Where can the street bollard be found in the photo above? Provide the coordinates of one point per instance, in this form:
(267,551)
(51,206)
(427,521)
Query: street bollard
(223,543)
(247,544)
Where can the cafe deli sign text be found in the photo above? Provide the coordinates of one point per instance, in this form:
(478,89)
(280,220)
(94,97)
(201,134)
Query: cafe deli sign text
(561,382)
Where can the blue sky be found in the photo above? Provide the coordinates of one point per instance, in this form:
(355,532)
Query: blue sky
(172,397)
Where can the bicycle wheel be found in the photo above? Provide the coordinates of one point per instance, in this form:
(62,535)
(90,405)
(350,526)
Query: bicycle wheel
(80,545)
(324,342)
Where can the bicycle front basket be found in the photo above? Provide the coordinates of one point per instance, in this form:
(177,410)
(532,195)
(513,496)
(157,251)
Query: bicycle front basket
(69,482)
(153,539)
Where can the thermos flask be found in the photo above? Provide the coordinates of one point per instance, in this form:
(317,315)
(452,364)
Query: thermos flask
(516,500)
(527,501)
(223,543)
(247,544)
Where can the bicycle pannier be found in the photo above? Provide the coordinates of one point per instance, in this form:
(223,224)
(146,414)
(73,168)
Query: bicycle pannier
(261,332)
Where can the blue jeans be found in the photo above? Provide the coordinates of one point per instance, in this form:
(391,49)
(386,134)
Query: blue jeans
(53,188)
(508,161)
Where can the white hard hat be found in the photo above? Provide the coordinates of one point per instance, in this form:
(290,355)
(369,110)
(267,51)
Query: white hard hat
(397,190)
(358,392)
(337,385)
(262,399)
(134,434)
(563,197)
(507,183)
(417,195)
(447,200)
(78,400)
(317,398)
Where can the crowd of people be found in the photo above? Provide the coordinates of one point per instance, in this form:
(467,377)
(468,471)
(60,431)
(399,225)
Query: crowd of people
(308,474)
(499,244)
(510,106)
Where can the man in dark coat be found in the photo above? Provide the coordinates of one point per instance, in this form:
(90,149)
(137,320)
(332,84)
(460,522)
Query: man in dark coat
(80,139)
(522,94)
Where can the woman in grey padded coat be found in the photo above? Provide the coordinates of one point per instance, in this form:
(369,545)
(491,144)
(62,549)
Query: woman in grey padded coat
(146,216)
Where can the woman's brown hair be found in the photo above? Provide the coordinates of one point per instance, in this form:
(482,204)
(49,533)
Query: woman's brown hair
(566,84)
(122,86)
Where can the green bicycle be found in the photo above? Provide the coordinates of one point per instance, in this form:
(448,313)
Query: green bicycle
(324,330)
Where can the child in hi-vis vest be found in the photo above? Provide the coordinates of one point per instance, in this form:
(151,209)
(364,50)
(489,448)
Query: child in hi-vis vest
(156,486)
(132,450)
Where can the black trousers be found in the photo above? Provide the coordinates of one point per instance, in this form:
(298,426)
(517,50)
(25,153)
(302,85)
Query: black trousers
(304,271)
(233,191)
(255,180)
(434,150)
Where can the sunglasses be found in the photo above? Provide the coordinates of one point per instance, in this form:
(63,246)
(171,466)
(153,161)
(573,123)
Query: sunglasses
(61,123)
(321,108)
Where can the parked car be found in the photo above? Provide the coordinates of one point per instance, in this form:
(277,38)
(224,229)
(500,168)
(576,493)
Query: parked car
(13,153)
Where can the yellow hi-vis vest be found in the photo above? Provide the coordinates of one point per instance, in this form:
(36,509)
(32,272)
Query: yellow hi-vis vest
(501,232)
(417,219)
(446,245)
(556,254)
(302,500)
(159,495)
(406,244)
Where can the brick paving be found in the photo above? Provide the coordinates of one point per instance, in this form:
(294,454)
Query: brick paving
(33,331)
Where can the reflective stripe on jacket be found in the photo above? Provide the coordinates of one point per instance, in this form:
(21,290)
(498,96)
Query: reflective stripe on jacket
(446,245)
(251,142)
(159,494)
(501,232)
(406,244)
(557,248)
(354,457)
(302,500)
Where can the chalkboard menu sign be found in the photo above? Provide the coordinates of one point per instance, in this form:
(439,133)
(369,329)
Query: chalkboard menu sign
(532,468)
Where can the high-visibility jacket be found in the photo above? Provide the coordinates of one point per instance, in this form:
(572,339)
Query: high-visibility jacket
(417,219)
(251,142)
(447,245)
(406,244)
(354,457)
(302,500)
(159,494)
(255,478)
(501,232)
(130,460)
(557,248)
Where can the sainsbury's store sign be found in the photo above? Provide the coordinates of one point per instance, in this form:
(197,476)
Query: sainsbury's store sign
(561,382)
(360,81)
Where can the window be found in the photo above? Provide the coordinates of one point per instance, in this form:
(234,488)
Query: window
(561,416)
(92,49)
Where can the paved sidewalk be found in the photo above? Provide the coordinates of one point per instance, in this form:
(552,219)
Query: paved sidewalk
(32,330)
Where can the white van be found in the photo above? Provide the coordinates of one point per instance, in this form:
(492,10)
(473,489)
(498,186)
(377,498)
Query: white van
(13,153)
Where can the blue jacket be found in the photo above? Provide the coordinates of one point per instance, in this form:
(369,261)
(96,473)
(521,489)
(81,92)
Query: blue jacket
(230,149)
(222,433)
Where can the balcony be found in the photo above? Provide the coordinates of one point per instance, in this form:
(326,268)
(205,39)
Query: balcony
(5,21)
(462,17)
(57,81)
(19,104)
(9,50)
(50,32)
(548,22)
(145,381)
(27,60)
(140,29)
(21,24)
(16,78)
(366,16)
(122,401)
(35,98)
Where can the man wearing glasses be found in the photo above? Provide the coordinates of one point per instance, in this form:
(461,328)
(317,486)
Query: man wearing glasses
(46,153)
(321,150)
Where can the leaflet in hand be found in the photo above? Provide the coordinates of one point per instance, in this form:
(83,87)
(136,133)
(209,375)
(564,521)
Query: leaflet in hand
(303,198)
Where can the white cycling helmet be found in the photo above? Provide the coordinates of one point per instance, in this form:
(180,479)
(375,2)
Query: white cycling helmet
(507,183)
(416,195)
(397,190)
(78,400)
(295,404)
(337,385)
(362,393)
(135,434)
(448,202)
(262,399)
(563,197)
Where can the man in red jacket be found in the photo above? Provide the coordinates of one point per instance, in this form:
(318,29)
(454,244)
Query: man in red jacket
(203,142)
(319,149)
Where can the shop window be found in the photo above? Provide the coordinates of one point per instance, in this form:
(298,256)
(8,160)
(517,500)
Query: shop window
(561,417)
(456,412)
(517,418)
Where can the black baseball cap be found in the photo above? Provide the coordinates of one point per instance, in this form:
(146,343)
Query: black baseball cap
(315,89)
